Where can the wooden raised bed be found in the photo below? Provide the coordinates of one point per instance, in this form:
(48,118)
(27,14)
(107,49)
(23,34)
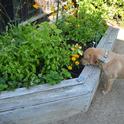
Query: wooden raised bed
(45,103)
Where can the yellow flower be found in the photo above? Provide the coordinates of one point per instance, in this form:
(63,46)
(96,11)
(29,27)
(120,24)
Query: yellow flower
(77,63)
(52,8)
(72,3)
(73,49)
(78,46)
(69,67)
(73,59)
(36,6)
(65,7)
(75,55)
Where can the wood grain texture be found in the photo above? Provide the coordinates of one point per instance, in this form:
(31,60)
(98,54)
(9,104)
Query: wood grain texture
(45,103)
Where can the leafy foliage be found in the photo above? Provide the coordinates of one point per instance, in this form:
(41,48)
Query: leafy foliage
(47,53)
(116,11)
(31,55)
(84,27)
(112,10)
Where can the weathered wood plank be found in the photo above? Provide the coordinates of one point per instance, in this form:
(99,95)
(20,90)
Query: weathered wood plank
(39,88)
(43,97)
(41,114)
(33,19)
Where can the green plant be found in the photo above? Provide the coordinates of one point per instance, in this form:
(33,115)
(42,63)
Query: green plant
(115,10)
(112,10)
(47,53)
(75,56)
(32,54)
(87,26)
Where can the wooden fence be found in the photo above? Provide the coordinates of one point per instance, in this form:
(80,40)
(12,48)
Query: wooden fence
(20,10)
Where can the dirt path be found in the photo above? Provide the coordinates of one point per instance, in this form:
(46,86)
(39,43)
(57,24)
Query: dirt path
(108,109)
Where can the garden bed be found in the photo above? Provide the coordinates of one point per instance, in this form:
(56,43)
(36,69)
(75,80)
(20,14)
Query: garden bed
(34,55)
(51,103)
(48,53)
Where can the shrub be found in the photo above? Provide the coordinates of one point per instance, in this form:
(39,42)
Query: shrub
(87,26)
(112,10)
(31,55)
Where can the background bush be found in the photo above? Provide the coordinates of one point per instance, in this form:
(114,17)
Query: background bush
(112,10)
(31,55)
(87,25)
